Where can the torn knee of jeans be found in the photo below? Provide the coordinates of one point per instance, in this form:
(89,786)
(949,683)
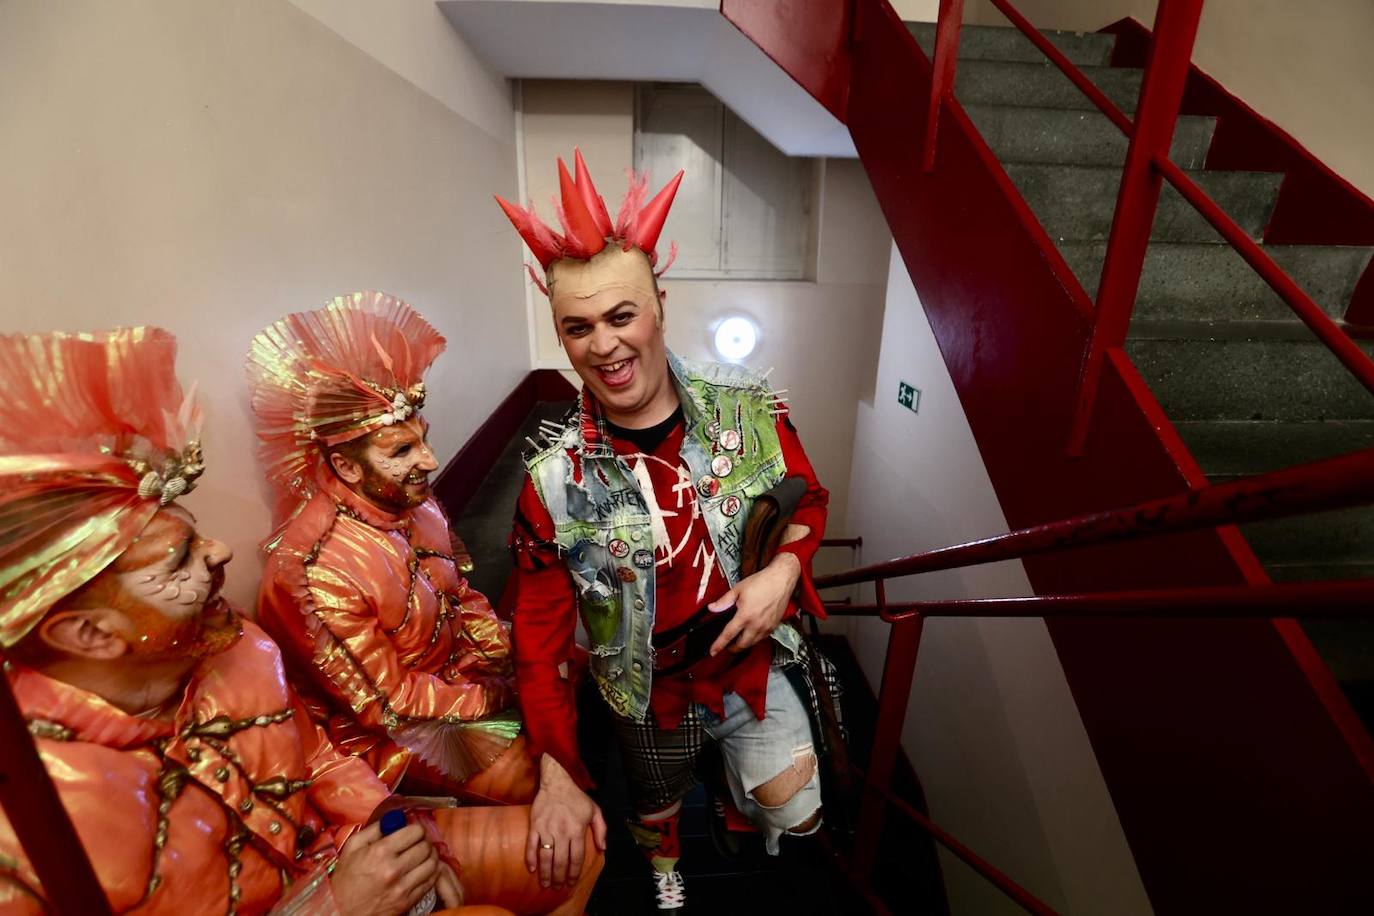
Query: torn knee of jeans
(807,826)
(779,790)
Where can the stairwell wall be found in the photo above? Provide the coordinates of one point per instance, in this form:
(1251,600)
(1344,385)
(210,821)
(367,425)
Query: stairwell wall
(992,728)
(210,167)
(1304,67)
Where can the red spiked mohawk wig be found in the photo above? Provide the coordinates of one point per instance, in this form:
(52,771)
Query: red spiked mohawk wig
(587,227)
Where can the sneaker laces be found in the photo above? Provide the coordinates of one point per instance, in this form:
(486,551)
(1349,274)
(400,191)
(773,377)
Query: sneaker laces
(670,890)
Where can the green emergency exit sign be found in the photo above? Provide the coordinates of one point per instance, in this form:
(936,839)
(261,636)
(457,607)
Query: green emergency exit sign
(909,396)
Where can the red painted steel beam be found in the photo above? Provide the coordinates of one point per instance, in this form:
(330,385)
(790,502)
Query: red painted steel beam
(1352,598)
(1161,94)
(899,668)
(942,77)
(842,542)
(1347,480)
(1312,315)
(1060,60)
(35,812)
(1023,898)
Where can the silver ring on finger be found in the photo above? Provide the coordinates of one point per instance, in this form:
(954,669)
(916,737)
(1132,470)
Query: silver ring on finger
(546,846)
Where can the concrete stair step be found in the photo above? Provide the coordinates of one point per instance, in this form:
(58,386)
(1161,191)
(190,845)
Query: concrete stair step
(1076,136)
(1227,449)
(1042,85)
(1076,202)
(1317,572)
(1199,281)
(1285,380)
(1329,540)
(990,42)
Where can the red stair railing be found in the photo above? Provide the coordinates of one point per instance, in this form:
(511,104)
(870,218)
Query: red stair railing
(1295,490)
(1344,481)
(1147,166)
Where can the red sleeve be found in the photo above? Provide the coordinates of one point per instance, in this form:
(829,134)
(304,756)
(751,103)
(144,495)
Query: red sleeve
(543,623)
(811,511)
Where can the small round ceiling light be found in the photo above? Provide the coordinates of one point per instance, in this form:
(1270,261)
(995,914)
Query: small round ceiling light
(736,338)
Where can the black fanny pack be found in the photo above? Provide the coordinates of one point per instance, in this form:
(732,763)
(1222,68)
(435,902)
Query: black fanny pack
(689,642)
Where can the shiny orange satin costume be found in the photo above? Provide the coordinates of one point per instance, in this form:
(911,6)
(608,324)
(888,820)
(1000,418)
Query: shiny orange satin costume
(372,606)
(411,667)
(238,801)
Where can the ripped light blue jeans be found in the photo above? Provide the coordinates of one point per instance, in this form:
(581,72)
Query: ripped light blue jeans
(756,750)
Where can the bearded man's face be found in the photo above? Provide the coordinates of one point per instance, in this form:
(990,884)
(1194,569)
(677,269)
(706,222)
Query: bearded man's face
(391,468)
(167,588)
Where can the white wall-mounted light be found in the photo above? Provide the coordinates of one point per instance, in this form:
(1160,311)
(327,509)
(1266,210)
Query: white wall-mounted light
(736,338)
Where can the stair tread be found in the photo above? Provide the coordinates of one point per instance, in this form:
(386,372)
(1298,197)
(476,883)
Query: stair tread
(1075,136)
(1228,449)
(1182,279)
(1282,380)
(1029,84)
(991,42)
(1076,202)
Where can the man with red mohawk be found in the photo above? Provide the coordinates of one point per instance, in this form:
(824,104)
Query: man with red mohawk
(633,514)
(363,587)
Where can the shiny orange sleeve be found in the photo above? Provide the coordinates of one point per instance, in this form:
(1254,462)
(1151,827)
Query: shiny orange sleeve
(366,672)
(343,789)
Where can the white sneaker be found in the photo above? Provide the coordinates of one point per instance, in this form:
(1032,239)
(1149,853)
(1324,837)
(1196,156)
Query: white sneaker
(669,890)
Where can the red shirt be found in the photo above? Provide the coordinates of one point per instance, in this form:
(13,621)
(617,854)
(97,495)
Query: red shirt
(687,576)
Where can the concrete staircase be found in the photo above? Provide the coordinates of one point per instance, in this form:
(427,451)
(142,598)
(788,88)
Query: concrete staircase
(1245,383)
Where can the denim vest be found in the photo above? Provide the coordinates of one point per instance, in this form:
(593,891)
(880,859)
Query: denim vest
(603,527)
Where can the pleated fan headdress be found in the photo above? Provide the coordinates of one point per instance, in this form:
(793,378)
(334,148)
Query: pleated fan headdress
(328,376)
(95,436)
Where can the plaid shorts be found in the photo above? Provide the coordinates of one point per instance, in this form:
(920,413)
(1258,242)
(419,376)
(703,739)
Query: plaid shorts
(661,764)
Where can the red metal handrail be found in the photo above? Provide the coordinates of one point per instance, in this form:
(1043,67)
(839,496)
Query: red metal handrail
(1022,897)
(1161,95)
(1071,70)
(1353,598)
(1342,481)
(35,813)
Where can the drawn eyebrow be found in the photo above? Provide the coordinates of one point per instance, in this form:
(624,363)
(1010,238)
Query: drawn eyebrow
(578,319)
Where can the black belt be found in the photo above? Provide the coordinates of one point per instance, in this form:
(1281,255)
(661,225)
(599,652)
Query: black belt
(689,642)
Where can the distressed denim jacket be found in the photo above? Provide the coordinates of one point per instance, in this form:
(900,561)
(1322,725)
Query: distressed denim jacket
(603,527)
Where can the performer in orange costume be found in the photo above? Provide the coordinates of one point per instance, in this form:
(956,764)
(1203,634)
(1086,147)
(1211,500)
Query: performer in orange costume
(194,776)
(192,773)
(362,587)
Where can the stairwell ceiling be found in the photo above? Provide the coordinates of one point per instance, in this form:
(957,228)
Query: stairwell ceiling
(682,41)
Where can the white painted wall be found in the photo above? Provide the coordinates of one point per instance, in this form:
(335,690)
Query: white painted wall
(413,39)
(1304,66)
(821,336)
(208,167)
(992,729)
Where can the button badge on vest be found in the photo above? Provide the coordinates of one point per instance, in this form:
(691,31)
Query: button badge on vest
(721,465)
(731,505)
(729,440)
(708,487)
(619,549)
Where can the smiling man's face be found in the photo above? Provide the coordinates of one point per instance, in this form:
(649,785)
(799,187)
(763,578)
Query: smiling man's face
(609,318)
(389,467)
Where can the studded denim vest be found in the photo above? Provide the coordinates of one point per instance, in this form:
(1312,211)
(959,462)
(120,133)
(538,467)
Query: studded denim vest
(602,524)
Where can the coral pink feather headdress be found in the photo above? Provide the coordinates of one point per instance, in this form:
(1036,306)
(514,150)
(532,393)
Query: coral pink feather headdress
(328,376)
(95,436)
(587,226)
